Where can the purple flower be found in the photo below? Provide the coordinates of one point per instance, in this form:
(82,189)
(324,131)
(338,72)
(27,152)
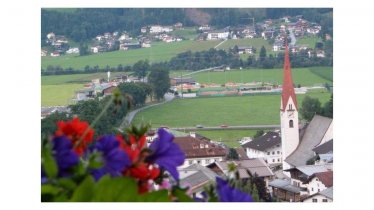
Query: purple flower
(226,193)
(166,153)
(64,155)
(44,176)
(115,159)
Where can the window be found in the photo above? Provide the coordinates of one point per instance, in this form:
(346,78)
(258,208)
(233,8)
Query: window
(273,153)
(268,153)
(190,162)
(207,161)
(324,200)
(291,124)
(289,106)
(199,161)
(273,160)
(278,152)
(312,189)
(314,200)
(278,160)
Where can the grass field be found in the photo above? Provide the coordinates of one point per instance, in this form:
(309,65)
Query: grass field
(229,137)
(76,78)
(310,41)
(255,42)
(160,51)
(187,33)
(302,76)
(53,95)
(237,110)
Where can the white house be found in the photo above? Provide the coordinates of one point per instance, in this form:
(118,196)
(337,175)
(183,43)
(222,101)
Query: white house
(159,29)
(202,152)
(72,50)
(319,182)
(219,34)
(268,147)
(323,196)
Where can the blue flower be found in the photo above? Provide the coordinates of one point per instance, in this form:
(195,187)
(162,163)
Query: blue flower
(115,159)
(44,176)
(226,193)
(64,155)
(166,153)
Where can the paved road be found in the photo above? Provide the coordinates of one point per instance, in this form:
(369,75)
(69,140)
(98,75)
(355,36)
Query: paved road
(130,116)
(202,70)
(293,38)
(237,127)
(220,43)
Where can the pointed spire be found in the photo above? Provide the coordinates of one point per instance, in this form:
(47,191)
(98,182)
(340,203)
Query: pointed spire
(287,87)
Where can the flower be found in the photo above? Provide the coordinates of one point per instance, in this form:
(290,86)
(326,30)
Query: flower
(226,193)
(64,155)
(166,153)
(115,159)
(78,132)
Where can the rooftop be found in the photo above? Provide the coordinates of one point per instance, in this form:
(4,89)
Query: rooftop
(285,185)
(264,142)
(255,166)
(193,147)
(325,148)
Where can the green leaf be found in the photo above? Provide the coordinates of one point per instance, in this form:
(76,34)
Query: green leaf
(181,195)
(50,166)
(118,189)
(156,196)
(49,189)
(84,191)
(67,183)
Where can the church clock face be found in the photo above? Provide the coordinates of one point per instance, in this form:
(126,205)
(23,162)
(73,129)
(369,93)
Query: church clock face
(291,114)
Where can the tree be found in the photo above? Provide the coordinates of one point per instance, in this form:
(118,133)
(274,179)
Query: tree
(262,54)
(258,133)
(233,155)
(310,107)
(136,92)
(141,68)
(83,49)
(159,80)
(327,110)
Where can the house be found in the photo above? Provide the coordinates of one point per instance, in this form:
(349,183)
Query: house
(85,94)
(97,49)
(108,89)
(278,45)
(254,166)
(268,147)
(55,54)
(196,177)
(283,190)
(178,25)
(241,153)
(204,28)
(324,153)
(159,29)
(44,52)
(45,111)
(319,182)
(72,50)
(146,44)
(218,34)
(267,34)
(143,30)
(320,54)
(199,151)
(51,36)
(184,80)
(245,50)
(323,196)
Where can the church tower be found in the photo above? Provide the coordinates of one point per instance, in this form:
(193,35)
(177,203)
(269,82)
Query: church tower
(289,115)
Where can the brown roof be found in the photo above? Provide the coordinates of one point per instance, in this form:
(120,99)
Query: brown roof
(241,153)
(194,148)
(325,177)
(255,166)
(264,142)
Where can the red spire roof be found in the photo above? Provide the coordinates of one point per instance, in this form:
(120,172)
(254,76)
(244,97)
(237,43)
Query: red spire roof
(287,87)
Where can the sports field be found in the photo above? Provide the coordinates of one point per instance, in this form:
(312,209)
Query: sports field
(215,111)
(302,76)
(160,51)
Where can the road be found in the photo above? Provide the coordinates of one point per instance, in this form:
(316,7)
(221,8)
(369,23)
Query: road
(130,116)
(293,38)
(220,43)
(237,127)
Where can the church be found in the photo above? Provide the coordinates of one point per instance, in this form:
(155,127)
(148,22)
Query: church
(298,144)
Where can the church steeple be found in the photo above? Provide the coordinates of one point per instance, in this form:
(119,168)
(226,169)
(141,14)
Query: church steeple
(287,87)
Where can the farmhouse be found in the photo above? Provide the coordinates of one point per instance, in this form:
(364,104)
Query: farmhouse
(218,34)
(245,50)
(323,196)
(199,151)
(55,54)
(159,29)
(196,177)
(44,52)
(267,147)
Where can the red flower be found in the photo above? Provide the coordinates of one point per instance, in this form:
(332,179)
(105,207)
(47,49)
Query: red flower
(78,132)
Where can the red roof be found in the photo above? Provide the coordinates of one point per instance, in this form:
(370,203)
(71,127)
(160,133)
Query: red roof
(194,148)
(326,178)
(287,87)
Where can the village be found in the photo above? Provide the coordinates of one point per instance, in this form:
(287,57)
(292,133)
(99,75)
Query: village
(270,30)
